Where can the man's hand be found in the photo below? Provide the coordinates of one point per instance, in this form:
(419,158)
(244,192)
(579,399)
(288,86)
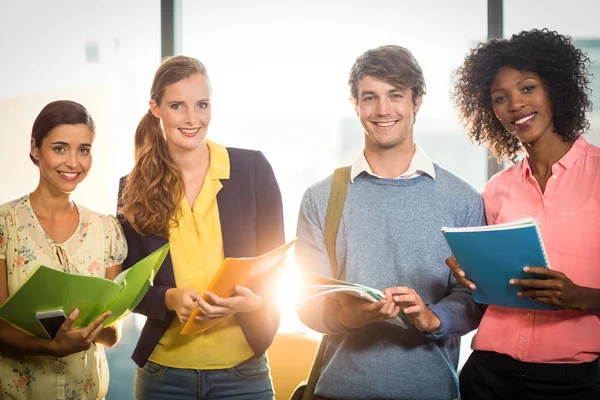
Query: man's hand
(459,274)
(70,340)
(557,290)
(356,313)
(182,301)
(414,308)
(243,300)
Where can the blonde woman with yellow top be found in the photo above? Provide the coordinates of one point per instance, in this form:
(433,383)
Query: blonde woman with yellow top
(209,202)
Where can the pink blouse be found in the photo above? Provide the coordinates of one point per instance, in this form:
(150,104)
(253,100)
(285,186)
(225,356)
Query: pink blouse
(569,217)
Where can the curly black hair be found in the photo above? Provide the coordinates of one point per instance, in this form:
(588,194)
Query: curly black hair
(561,67)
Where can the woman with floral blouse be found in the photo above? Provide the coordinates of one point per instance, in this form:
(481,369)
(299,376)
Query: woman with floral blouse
(46,227)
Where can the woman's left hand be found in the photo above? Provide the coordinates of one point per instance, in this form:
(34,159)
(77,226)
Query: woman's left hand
(557,290)
(243,300)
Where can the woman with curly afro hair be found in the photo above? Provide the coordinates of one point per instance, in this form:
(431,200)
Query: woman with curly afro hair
(530,95)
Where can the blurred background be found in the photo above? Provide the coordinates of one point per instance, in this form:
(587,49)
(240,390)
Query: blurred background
(279,74)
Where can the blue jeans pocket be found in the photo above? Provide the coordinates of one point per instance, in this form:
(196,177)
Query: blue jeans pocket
(151,370)
(252,368)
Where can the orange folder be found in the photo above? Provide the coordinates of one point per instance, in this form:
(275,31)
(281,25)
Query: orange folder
(233,272)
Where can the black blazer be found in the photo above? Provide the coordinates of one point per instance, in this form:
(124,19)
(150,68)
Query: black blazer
(251,215)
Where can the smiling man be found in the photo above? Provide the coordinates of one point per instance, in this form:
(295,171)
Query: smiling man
(390,238)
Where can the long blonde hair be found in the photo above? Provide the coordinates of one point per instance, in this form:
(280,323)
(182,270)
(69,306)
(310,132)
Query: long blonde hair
(152,193)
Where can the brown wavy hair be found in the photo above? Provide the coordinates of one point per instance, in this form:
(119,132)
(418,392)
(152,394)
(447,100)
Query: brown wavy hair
(392,64)
(151,196)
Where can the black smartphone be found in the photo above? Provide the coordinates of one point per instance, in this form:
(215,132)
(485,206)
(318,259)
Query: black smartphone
(51,321)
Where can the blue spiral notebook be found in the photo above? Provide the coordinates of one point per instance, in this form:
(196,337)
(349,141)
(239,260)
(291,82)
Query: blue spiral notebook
(492,255)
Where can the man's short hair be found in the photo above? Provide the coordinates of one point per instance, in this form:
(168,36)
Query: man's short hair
(392,64)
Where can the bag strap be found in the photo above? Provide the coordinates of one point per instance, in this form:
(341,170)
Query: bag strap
(335,208)
(315,371)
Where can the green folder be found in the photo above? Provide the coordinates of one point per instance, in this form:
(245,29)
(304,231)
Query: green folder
(47,289)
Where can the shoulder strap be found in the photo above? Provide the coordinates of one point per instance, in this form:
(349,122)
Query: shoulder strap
(335,208)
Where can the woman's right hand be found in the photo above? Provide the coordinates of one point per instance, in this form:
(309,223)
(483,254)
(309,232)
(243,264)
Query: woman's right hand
(70,340)
(182,301)
(459,274)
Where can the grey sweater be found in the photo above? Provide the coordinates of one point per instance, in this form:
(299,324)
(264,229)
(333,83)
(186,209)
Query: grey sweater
(390,235)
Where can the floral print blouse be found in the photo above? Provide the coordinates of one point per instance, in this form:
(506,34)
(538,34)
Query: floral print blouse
(97,244)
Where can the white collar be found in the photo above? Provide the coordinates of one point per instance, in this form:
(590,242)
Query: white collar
(419,165)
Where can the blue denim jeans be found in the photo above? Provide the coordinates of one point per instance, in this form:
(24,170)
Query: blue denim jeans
(248,380)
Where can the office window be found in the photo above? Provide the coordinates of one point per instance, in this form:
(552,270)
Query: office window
(100,53)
